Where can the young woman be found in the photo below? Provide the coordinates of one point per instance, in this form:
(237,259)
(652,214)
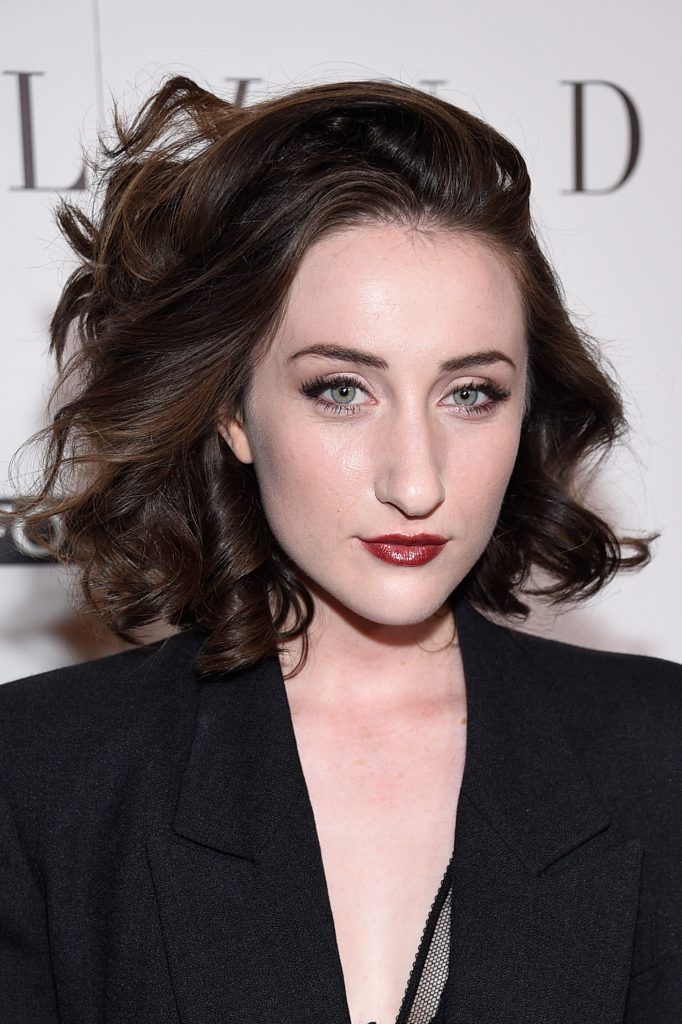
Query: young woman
(328,414)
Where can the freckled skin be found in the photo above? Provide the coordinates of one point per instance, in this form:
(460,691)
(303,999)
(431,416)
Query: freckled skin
(379,710)
(408,461)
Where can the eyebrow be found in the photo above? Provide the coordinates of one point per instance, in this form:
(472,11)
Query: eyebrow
(483,357)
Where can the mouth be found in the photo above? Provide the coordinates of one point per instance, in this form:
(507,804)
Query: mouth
(400,549)
(403,538)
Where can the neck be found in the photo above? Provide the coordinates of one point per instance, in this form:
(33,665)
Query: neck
(355,663)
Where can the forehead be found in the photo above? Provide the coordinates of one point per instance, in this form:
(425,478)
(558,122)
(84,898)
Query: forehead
(398,287)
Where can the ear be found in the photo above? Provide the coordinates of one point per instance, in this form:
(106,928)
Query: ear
(233,431)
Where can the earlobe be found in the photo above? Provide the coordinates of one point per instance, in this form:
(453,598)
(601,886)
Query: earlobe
(233,432)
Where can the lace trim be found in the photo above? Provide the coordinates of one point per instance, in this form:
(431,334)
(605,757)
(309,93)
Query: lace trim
(430,968)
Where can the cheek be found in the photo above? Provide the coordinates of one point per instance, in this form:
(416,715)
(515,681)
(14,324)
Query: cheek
(305,479)
(499,460)
(479,472)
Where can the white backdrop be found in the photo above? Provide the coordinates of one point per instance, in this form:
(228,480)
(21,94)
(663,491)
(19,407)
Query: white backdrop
(515,64)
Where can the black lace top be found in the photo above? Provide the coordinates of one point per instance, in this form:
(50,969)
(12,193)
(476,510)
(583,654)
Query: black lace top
(422,1002)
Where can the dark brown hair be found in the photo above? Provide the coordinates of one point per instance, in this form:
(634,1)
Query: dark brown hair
(203,214)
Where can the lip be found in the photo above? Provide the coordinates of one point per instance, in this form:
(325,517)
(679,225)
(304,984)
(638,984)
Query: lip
(399,549)
(403,538)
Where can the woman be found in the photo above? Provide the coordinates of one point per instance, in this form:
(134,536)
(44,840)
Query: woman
(328,410)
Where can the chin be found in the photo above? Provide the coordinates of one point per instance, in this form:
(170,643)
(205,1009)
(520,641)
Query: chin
(388,610)
(400,605)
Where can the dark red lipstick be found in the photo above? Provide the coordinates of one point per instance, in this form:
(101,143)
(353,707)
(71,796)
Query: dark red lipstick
(405,549)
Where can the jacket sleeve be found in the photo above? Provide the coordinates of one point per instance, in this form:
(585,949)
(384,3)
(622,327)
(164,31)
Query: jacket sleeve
(27,992)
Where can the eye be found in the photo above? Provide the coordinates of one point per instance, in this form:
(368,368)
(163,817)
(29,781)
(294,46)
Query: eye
(342,389)
(467,396)
(471,399)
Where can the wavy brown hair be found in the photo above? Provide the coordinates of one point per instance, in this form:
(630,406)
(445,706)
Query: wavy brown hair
(202,214)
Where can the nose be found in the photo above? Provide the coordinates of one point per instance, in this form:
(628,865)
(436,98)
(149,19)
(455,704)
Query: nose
(408,465)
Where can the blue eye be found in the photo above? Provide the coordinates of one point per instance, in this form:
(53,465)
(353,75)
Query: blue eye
(314,388)
(348,397)
(467,397)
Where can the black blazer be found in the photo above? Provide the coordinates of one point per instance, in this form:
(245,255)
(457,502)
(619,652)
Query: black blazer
(160,862)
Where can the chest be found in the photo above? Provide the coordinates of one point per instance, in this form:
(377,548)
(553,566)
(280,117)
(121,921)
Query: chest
(384,795)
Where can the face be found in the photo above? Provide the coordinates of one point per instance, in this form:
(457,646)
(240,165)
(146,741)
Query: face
(412,428)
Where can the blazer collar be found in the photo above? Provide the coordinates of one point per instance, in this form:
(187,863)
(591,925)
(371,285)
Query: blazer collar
(544,894)
(244,775)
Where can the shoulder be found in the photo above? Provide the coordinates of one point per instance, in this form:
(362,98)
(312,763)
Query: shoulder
(578,653)
(66,725)
(631,697)
(622,712)
(566,670)
(121,683)
(570,668)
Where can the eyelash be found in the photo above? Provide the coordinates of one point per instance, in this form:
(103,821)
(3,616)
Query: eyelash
(313,388)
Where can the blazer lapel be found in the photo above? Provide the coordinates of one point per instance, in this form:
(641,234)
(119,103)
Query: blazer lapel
(239,877)
(544,901)
(544,896)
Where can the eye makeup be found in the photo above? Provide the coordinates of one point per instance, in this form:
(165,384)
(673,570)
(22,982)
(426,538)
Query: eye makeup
(494,393)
